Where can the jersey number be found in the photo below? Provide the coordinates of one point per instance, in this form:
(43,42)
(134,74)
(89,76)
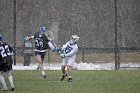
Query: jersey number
(68,49)
(39,43)
(5,51)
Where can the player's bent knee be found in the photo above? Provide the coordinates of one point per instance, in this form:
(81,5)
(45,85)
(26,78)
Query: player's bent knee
(9,73)
(69,66)
(63,67)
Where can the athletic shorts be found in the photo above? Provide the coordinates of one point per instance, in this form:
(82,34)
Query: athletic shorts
(4,67)
(42,54)
(68,61)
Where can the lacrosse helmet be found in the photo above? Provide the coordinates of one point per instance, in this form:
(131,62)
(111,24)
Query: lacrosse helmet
(43,29)
(1,37)
(73,39)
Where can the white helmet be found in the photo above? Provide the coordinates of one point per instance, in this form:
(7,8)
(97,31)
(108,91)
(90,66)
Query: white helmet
(74,38)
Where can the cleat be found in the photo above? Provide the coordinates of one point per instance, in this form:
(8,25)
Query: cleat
(4,89)
(63,77)
(12,89)
(69,79)
(37,69)
(44,76)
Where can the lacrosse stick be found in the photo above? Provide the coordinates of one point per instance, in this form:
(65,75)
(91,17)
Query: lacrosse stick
(50,36)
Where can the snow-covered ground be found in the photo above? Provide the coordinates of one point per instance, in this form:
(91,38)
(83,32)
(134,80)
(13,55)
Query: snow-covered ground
(80,66)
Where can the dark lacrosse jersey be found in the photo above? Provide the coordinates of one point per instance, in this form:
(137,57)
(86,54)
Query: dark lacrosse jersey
(1,60)
(41,42)
(5,57)
(1,63)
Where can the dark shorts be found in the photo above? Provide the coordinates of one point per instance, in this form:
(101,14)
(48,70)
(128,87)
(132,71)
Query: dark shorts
(6,65)
(42,54)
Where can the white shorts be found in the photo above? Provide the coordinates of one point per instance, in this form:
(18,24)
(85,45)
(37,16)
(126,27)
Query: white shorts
(68,61)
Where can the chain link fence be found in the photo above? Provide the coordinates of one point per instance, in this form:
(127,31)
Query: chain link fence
(109,30)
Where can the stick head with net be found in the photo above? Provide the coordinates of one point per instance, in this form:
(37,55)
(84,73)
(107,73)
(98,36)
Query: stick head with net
(50,35)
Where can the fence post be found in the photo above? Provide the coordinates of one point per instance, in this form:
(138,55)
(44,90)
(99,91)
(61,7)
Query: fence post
(119,57)
(14,2)
(116,38)
(83,54)
(49,61)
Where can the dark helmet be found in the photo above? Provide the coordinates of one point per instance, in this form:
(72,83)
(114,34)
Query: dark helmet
(43,29)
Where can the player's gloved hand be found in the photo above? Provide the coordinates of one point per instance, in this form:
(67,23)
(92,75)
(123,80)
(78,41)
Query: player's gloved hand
(57,49)
(62,55)
(26,39)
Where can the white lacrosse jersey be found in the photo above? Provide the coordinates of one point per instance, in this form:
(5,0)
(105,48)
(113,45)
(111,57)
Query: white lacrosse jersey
(70,50)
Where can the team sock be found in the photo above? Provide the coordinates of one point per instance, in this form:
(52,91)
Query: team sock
(43,73)
(70,77)
(11,81)
(3,82)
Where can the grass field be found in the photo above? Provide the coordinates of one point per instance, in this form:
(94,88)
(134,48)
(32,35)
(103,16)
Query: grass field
(111,81)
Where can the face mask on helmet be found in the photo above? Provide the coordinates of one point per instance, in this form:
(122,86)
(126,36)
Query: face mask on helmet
(43,29)
(73,39)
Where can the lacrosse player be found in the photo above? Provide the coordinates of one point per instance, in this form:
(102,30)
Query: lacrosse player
(6,62)
(41,44)
(68,56)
